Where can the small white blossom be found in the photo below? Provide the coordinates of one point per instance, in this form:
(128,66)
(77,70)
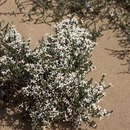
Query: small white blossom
(53,74)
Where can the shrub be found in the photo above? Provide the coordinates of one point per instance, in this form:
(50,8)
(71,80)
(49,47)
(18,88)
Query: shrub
(51,78)
(18,64)
(62,94)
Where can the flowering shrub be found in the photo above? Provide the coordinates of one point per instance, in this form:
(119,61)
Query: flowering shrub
(59,92)
(18,64)
(51,78)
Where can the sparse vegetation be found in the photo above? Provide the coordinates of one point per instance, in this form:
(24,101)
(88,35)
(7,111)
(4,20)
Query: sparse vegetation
(92,11)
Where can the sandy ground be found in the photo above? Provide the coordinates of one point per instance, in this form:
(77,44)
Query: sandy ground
(28,29)
(117,97)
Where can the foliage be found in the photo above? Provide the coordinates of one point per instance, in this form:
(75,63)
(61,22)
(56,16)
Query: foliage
(92,11)
(126,3)
(18,64)
(63,94)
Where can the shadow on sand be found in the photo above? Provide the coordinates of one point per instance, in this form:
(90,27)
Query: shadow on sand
(10,116)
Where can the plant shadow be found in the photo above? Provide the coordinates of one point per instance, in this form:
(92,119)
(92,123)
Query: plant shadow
(11,117)
(7,13)
(123,54)
(64,126)
(2,2)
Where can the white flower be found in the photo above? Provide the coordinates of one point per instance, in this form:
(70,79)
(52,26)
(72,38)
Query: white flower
(94,106)
(55,81)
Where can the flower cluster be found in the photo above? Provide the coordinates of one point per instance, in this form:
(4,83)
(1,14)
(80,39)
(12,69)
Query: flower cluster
(51,78)
(19,66)
(65,95)
(69,50)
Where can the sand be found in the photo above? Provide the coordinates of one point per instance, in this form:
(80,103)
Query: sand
(117,97)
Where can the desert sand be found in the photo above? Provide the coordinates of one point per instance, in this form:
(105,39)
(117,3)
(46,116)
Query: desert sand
(117,97)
